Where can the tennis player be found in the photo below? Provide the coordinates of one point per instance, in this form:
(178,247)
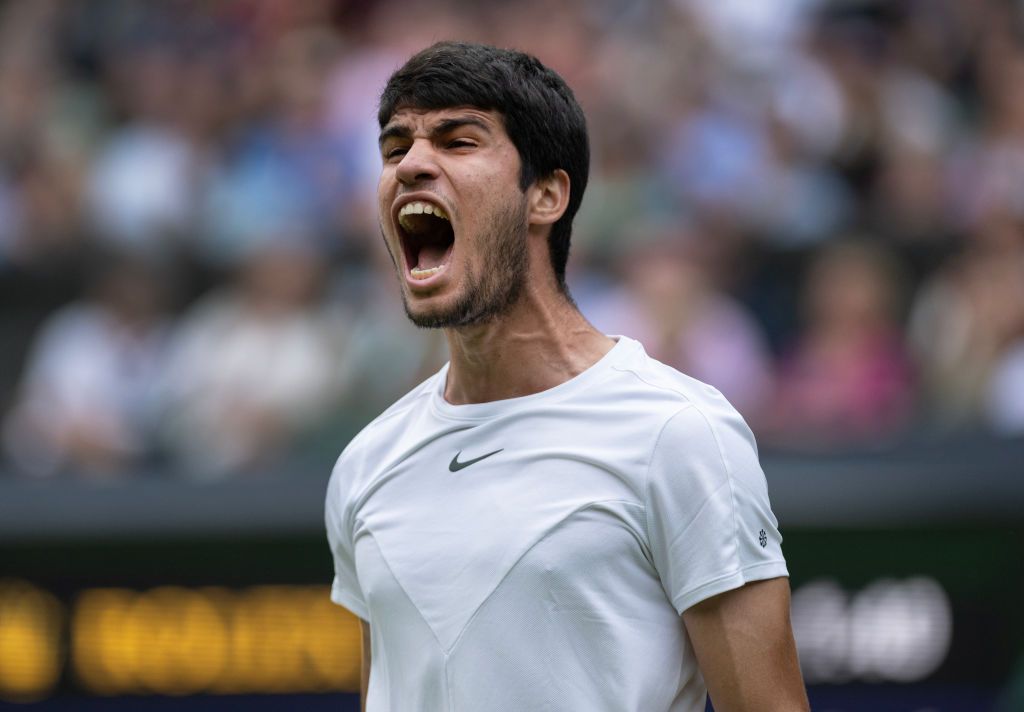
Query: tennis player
(554,521)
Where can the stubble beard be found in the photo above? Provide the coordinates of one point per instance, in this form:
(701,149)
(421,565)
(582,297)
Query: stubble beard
(487,296)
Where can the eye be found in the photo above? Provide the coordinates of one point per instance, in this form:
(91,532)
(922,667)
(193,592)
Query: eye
(461,143)
(395,152)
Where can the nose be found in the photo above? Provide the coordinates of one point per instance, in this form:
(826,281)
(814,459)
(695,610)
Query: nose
(418,164)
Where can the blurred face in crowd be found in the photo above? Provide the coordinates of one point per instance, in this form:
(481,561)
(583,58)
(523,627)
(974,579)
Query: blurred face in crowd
(452,214)
(279,279)
(850,286)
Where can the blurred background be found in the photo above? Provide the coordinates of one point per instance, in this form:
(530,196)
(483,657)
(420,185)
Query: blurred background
(816,206)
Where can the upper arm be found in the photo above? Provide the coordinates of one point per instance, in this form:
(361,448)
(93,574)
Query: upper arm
(345,589)
(744,645)
(364,676)
(709,522)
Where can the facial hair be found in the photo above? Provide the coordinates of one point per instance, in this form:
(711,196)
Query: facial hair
(496,290)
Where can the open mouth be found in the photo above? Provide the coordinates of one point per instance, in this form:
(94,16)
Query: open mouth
(427,238)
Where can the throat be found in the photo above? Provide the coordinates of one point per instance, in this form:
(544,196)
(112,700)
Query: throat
(431,256)
(499,361)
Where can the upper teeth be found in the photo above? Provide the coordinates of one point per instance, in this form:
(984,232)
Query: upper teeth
(418,207)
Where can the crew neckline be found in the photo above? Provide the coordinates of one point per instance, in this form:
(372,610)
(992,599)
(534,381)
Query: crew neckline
(491,409)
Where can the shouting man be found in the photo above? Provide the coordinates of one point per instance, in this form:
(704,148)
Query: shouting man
(554,521)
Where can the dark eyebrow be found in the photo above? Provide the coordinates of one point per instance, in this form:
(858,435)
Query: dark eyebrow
(449,125)
(393,131)
(443,127)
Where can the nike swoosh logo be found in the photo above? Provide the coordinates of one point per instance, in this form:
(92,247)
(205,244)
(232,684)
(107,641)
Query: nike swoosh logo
(455,465)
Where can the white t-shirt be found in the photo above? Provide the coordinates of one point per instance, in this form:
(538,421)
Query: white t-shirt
(536,553)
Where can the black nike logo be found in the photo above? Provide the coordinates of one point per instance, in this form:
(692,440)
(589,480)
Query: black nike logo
(455,465)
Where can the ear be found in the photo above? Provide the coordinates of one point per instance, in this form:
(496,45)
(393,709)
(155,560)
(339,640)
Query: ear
(548,198)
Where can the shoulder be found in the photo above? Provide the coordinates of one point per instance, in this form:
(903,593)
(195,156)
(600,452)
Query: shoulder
(693,421)
(362,456)
(395,417)
(667,393)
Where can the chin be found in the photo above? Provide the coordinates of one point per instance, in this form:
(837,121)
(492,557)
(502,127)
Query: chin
(427,315)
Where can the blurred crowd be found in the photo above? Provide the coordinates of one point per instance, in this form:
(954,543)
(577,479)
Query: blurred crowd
(817,206)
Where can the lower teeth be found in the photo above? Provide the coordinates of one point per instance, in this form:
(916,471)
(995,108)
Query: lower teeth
(419,273)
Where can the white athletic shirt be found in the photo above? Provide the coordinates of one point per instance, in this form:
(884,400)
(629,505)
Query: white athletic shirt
(536,553)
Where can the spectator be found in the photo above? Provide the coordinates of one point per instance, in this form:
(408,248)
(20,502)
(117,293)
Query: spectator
(1004,403)
(142,187)
(385,355)
(90,396)
(965,324)
(203,127)
(848,377)
(254,364)
(669,302)
(286,171)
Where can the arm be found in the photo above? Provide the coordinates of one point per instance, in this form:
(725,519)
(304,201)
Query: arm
(364,676)
(745,648)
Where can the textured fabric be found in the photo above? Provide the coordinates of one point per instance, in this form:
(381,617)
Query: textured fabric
(550,573)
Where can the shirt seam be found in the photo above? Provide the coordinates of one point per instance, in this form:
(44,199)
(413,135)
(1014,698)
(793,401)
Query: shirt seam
(548,400)
(696,515)
(527,550)
(632,371)
(398,582)
(346,599)
(732,490)
(555,398)
(650,462)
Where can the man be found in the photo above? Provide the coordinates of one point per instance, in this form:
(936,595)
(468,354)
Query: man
(525,529)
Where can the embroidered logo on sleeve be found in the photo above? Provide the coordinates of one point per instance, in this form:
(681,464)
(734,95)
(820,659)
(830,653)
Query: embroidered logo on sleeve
(763,538)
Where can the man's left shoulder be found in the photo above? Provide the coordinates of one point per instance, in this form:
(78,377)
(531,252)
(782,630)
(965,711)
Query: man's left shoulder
(693,418)
(665,390)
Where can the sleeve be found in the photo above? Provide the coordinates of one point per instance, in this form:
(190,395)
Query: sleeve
(345,590)
(709,522)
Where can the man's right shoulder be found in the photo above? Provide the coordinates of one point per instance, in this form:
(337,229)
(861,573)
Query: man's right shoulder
(372,443)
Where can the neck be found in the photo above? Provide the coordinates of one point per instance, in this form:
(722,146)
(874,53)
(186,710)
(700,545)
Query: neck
(541,342)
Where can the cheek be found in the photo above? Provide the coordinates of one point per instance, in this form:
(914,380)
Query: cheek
(385,187)
(493,190)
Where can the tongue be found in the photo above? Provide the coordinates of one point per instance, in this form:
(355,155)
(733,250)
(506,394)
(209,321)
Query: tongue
(432,255)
